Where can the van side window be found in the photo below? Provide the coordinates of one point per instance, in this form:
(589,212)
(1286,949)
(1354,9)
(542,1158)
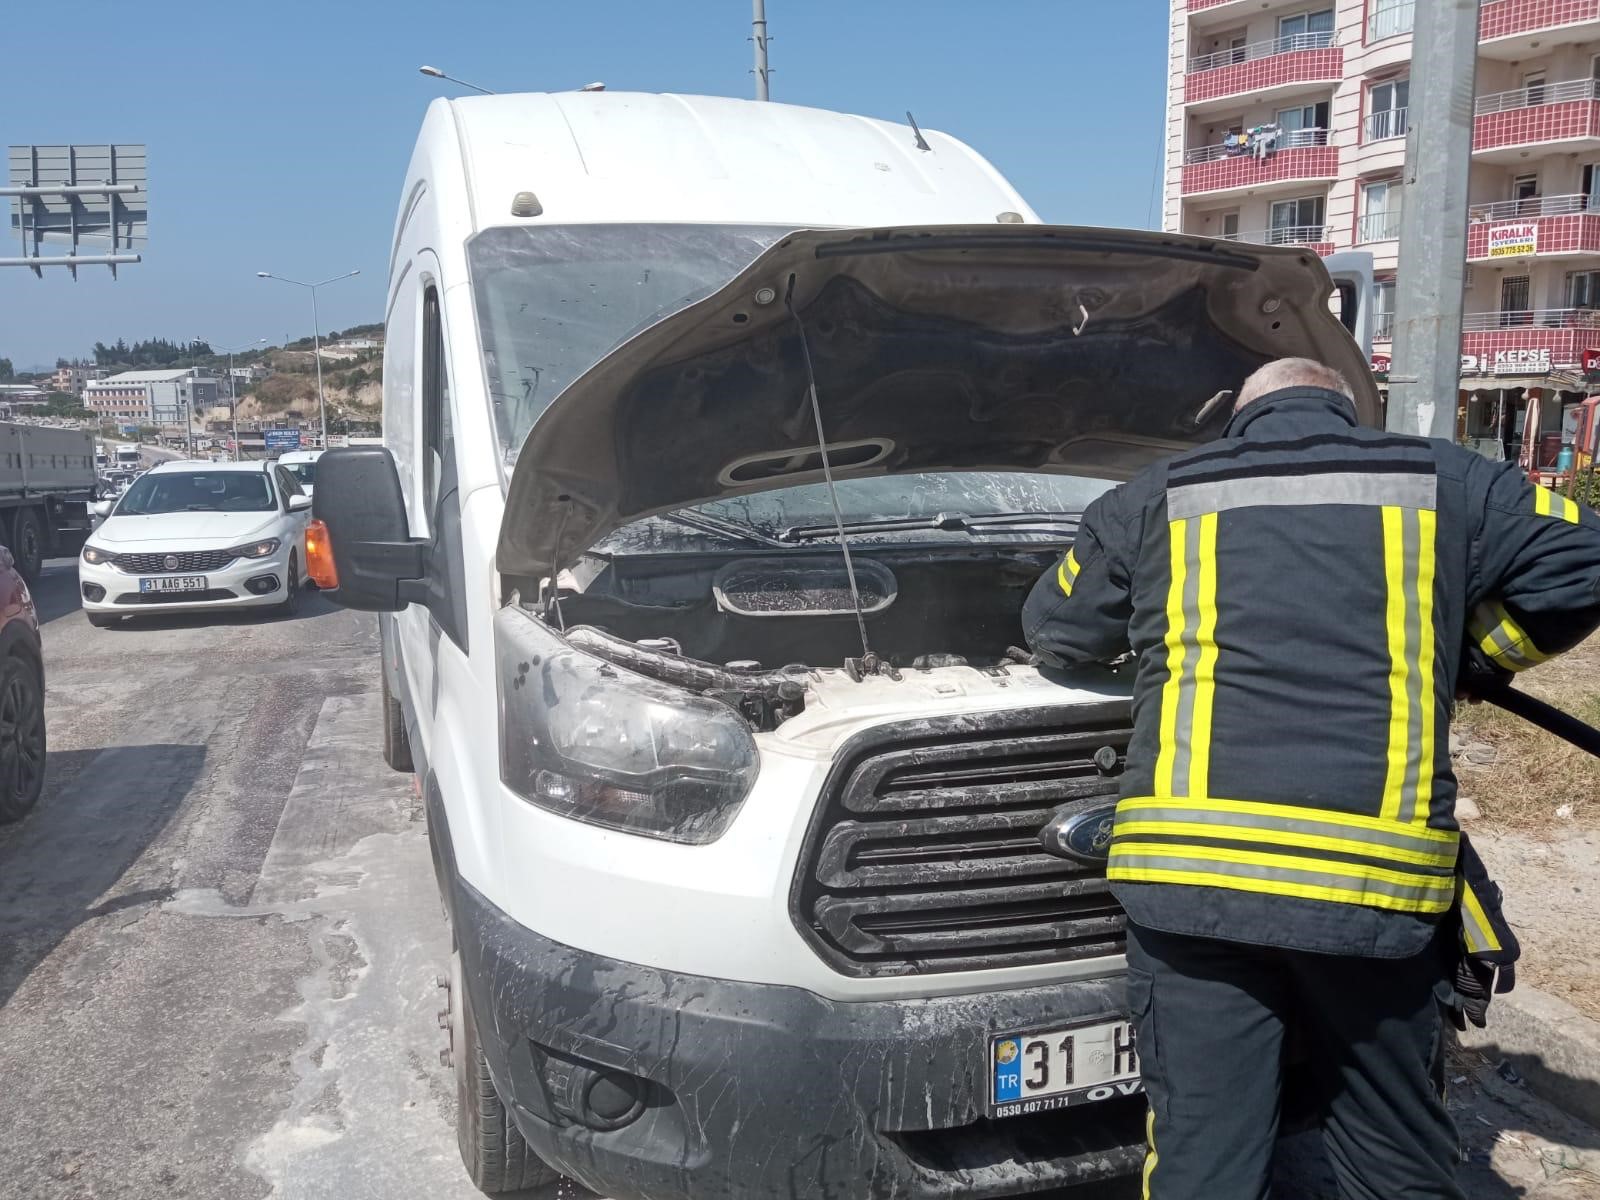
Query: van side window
(436,432)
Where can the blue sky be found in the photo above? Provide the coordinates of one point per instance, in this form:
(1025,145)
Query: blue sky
(279,133)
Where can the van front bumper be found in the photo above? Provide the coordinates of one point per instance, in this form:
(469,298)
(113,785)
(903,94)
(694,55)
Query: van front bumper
(639,1082)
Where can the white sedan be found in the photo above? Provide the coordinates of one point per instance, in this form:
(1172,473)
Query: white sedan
(190,536)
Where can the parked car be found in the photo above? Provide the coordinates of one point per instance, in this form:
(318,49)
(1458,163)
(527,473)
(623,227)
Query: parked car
(739,838)
(22,729)
(191,536)
(302,464)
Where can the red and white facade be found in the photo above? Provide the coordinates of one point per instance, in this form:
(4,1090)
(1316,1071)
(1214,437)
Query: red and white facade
(1333,78)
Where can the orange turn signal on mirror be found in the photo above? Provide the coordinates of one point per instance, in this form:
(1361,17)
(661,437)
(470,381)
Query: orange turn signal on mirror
(319,557)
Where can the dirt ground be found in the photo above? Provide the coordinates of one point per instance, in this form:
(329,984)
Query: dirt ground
(1538,825)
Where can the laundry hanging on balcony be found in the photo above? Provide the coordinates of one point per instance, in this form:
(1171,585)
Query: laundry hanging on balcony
(1261,140)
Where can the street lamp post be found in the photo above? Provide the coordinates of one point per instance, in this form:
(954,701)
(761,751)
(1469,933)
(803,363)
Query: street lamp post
(233,388)
(316,336)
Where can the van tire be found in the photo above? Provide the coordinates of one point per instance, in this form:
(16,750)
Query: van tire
(492,1147)
(396,742)
(27,543)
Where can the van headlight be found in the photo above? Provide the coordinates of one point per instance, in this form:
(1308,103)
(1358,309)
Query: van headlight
(600,744)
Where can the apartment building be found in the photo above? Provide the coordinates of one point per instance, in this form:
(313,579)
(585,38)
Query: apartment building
(1286,125)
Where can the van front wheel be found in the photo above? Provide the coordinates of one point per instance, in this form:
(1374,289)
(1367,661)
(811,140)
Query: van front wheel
(492,1147)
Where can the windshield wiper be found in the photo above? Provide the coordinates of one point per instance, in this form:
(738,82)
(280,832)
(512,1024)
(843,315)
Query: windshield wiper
(1009,522)
(705,523)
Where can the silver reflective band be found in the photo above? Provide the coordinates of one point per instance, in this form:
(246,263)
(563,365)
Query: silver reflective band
(1334,881)
(1375,489)
(1394,844)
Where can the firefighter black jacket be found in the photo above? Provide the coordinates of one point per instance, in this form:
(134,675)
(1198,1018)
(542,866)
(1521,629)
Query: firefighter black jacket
(1297,597)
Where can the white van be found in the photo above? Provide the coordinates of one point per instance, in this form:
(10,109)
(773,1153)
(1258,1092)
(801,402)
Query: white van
(742,840)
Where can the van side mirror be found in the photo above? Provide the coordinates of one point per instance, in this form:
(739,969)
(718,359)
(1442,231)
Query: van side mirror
(380,567)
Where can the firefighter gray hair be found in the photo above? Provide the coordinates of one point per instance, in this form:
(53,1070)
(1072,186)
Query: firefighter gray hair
(1287,373)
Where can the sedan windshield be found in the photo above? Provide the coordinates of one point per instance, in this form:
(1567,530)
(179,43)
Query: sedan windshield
(552,300)
(196,491)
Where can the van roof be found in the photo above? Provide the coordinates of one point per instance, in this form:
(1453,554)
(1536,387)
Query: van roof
(601,157)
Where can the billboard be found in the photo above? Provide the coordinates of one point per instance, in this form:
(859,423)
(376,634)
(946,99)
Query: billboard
(90,200)
(281,439)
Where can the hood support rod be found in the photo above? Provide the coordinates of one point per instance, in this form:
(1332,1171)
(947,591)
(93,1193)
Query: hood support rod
(827,473)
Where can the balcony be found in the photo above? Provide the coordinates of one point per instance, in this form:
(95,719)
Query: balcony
(1314,237)
(1566,115)
(1392,21)
(1529,341)
(1515,29)
(1556,226)
(1383,327)
(1301,154)
(1385,124)
(1264,69)
(1378,227)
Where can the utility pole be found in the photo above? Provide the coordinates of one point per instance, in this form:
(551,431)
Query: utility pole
(758,28)
(1426,374)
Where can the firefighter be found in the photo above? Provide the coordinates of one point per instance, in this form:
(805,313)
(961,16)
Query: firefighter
(1296,597)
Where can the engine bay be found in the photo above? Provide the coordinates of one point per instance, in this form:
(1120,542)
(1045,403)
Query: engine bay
(752,629)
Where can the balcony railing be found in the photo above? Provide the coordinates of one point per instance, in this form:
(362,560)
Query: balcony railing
(1255,50)
(1540,318)
(1383,327)
(1537,94)
(1287,140)
(1378,227)
(1390,22)
(1282,235)
(1387,123)
(1534,206)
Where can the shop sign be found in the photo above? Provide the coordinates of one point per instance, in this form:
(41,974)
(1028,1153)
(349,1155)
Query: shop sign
(1508,362)
(1516,239)
(1591,361)
(1380,364)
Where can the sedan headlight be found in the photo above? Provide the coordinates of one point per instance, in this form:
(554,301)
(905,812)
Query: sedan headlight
(256,549)
(600,744)
(95,555)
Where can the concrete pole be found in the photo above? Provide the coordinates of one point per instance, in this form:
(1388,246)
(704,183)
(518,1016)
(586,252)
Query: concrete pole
(758,27)
(316,347)
(1426,374)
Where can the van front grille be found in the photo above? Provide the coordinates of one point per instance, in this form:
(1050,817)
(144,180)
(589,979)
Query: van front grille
(925,855)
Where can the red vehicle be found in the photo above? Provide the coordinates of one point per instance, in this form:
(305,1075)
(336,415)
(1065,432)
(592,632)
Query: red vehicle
(22,738)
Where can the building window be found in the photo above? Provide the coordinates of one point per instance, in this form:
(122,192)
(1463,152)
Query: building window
(1514,293)
(1583,289)
(1296,222)
(1389,18)
(1383,309)
(1388,109)
(1305,31)
(1380,211)
(1525,192)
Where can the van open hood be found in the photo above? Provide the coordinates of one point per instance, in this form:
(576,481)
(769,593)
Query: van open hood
(995,347)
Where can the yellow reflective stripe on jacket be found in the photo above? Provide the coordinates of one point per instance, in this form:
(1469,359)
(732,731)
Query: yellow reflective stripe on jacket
(1476,928)
(1068,571)
(1171,691)
(1499,636)
(1548,504)
(1408,568)
(1183,763)
(1286,850)
(1150,1157)
(1421,834)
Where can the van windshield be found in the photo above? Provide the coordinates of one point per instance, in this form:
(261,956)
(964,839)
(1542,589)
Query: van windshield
(552,300)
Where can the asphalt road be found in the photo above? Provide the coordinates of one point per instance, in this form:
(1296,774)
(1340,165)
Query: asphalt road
(219,932)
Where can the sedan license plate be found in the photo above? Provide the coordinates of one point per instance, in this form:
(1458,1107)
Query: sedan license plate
(174,583)
(1059,1068)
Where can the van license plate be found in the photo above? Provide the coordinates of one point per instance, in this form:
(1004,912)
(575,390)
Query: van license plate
(174,583)
(1058,1068)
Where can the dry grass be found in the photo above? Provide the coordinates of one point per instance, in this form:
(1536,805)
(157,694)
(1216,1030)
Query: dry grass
(1534,772)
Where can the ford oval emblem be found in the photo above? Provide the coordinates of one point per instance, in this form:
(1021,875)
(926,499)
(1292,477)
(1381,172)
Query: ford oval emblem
(1081,833)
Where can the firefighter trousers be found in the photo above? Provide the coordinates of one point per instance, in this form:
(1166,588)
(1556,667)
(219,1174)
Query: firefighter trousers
(1213,1019)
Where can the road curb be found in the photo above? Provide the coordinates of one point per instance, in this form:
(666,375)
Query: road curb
(1554,1046)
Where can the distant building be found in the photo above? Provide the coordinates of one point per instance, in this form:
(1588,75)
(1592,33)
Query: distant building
(357,343)
(152,397)
(20,395)
(75,377)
